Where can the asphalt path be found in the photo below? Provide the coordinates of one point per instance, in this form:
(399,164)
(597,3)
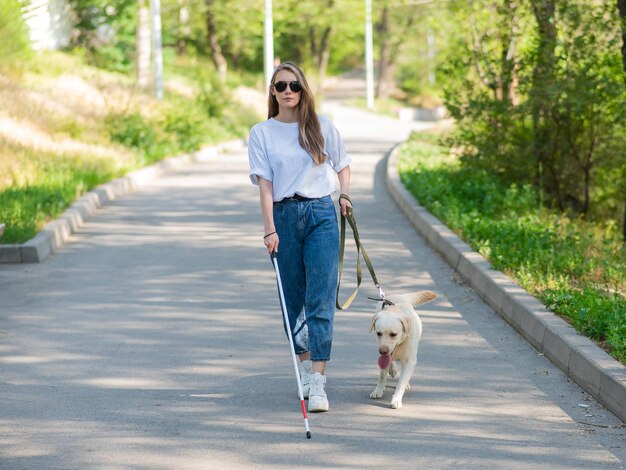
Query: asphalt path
(153,340)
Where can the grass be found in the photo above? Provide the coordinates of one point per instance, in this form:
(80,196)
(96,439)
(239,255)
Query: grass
(66,127)
(577,268)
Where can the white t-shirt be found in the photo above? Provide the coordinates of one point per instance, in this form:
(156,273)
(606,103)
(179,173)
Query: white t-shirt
(276,155)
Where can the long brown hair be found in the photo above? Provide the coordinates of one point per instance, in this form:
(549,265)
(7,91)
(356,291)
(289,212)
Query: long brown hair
(310,138)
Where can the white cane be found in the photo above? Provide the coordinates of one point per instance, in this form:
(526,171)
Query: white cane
(283,307)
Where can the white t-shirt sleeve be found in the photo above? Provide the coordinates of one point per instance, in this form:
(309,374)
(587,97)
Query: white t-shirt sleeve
(334,146)
(257,156)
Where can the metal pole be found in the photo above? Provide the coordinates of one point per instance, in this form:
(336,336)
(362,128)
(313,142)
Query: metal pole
(268,43)
(431,56)
(369,54)
(157,54)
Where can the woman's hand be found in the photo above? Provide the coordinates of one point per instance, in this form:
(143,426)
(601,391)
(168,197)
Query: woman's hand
(270,239)
(344,185)
(271,242)
(344,202)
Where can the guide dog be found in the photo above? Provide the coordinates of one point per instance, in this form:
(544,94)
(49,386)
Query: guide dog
(398,329)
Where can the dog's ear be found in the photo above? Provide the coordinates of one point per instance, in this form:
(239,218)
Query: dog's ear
(406,323)
(421,297)
(374,318)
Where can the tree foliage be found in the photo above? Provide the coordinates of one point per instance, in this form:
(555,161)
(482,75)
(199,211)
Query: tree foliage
(537,89)
(106,31)
(14,40)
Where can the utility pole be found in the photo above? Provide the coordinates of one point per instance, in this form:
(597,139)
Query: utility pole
(143,45)
(157,53)
(268,44)
(369,54)
(431,56)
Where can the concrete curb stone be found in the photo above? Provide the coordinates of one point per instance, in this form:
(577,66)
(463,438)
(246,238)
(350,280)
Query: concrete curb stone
(580,358)
(56,233)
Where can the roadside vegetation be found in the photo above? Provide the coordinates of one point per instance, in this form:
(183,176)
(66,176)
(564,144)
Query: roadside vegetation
(66,127)
(574,266)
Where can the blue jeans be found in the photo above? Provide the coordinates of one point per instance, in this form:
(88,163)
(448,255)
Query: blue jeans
(308,259)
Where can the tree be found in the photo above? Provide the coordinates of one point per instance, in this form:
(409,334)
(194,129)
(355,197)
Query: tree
(214,46)
(14,39)
(395,21)
(537,89)
(319,40)
(541,99)
(184,28)
(480,71)
(621,8)
(106,30)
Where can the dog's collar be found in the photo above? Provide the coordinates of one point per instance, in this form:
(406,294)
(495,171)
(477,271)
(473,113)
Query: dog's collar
(386,303)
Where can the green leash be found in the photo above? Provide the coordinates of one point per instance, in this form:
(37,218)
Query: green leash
(360,249)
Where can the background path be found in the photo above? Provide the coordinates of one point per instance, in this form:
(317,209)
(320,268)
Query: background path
(153,340)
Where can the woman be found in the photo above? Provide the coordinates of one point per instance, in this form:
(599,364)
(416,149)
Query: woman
(294,156)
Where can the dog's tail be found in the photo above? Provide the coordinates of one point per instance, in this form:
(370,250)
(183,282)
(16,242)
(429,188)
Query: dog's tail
(421,297)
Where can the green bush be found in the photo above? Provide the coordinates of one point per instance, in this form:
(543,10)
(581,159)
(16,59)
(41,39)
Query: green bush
(181,130)
(571,264)
(594,314)
(213,96)
(132,130)
(188,127)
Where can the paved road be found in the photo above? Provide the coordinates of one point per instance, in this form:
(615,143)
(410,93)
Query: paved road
(153,341)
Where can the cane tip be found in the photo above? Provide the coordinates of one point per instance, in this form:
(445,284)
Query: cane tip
(308,434)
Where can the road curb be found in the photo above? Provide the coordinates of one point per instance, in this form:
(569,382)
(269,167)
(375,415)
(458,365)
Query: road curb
(56,233)
(580,358)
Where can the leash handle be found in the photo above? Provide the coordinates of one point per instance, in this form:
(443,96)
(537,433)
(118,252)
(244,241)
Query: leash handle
(360,250)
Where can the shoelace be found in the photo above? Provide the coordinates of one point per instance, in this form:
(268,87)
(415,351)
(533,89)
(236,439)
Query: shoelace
(316,387)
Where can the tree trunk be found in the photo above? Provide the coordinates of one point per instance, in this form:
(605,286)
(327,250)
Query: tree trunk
(142,45)
(543,77)
(385,67)
(624,224)
(507,57)
(184,30)
(621,7)
(217,57)
(320,51)
(323,53)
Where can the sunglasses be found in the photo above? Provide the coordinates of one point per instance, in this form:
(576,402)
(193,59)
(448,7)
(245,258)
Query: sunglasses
(282,86)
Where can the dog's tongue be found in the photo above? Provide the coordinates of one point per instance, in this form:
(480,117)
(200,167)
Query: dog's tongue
(384,361)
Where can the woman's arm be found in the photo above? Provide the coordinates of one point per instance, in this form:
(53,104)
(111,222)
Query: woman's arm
(267,210)
(344,186)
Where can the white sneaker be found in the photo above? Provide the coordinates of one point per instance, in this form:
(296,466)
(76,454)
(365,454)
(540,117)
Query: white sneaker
(318,401)
(305,369)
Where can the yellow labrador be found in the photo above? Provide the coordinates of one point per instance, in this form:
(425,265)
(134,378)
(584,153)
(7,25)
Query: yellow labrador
(398,329)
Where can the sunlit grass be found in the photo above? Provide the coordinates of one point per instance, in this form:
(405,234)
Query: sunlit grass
(576,267)
(66,127)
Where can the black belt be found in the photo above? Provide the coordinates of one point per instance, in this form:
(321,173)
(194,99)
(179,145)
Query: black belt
(295,197)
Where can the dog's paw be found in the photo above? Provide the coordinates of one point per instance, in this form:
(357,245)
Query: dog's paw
(377,393)
(393,370)
(395,403)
